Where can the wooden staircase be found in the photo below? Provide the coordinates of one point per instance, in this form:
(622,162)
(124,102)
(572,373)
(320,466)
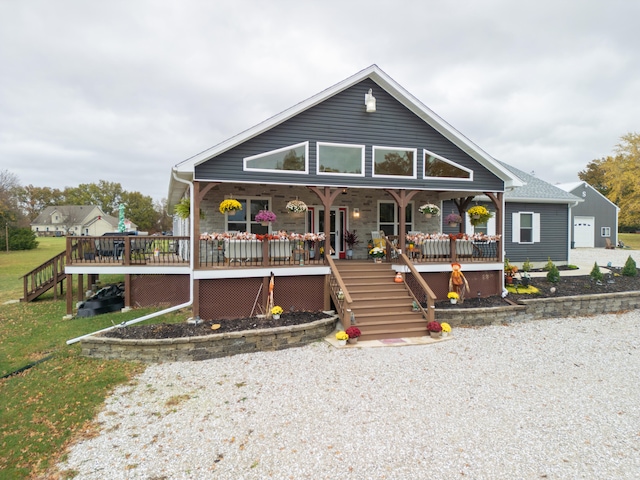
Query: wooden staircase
(382,308)
(45,277)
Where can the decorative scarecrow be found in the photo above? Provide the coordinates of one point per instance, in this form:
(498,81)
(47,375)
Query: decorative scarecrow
(457,282)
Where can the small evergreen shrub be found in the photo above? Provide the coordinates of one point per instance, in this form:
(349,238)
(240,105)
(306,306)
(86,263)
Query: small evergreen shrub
(629,269)
(553,275)
(526,266)
(596,274)
(549,265)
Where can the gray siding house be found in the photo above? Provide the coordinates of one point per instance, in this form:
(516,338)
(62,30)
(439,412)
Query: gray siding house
(594,220)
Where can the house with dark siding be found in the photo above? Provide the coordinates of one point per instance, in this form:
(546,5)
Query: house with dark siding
(594,220)
(363,156)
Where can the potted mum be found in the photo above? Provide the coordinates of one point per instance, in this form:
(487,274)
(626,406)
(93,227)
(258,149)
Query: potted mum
(296,206)
(230,205)
(429,209)
(351,239)
(435,329)
(453,219)
(342,337)
(446,329)
(265,217)
(354,333)
(478,215)
(276,312)
(453,297)
(377,253)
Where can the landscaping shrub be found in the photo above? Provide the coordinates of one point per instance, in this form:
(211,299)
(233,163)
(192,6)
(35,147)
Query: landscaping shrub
(19,239)
(596,274)
(548,265)
(553,275)
(630,269)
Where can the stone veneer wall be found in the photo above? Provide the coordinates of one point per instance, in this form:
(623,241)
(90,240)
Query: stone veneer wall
(208,346)
(541,308)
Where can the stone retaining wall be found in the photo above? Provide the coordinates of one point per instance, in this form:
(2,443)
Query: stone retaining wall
(208,346)
(541,308)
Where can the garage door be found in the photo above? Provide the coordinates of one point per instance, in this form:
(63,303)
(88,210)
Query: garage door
(584,231)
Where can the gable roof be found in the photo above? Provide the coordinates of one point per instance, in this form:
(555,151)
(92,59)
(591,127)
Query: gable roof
(186,168)
(77,213)
(572,186)
(536,190)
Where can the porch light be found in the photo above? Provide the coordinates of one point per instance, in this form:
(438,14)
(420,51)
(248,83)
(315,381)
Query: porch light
(370,101)
(356,213)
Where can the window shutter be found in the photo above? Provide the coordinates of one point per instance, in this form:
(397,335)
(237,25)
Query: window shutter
(515,227)
(536,227)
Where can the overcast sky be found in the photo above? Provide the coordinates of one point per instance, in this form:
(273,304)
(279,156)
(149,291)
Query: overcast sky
(123,90)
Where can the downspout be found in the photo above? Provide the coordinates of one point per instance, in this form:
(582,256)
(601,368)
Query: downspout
(166,310)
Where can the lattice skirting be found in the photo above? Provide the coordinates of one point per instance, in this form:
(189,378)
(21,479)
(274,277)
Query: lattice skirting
(159,290)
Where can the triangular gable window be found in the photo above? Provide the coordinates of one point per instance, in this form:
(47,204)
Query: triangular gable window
(291,159)
(439,167)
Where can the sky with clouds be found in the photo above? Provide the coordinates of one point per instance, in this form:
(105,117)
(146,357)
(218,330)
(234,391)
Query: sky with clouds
(123,90)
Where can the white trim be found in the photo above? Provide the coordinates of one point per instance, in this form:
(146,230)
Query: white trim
(401,149)
(344,145)
(260,272)
(127,270)
(536,227)
(246,168)
(440,157)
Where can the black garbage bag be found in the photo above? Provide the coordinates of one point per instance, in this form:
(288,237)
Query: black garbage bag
(107,299)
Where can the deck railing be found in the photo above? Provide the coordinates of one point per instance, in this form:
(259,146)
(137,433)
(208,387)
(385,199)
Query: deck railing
(340,294)
(258,252)
(128,250)
(44,277)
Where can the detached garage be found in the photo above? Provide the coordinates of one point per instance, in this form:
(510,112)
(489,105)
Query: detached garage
(594,220)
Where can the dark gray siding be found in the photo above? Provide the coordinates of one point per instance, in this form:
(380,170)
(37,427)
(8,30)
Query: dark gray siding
(604,212)
(553,243)
(342,119)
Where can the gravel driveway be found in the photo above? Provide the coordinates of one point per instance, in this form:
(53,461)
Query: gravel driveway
(548,399)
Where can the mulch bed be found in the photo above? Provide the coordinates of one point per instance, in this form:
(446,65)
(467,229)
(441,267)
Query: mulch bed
(567,286)
(177,330)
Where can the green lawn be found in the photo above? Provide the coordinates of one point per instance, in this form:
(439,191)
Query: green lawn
(45,406)
(631,240)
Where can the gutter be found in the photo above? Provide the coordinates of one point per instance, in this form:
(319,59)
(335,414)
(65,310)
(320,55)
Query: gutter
(170,309)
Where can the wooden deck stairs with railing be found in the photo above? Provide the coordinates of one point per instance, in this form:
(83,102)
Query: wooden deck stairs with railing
(382,308)
(45,277)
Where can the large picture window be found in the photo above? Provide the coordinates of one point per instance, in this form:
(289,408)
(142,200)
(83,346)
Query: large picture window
(245,220)
(394,162)
(292,159)
(340,159)
(439,167)
(389,217)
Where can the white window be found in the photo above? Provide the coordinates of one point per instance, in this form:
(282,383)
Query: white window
(291,159)
(340,159)
(605,231)
(389,217)
(394,162)
(245,220)
(526,227)
(437,167)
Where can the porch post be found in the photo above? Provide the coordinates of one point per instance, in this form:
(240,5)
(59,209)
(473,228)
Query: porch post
(327,198)
(197,200)
(127,290)
(498,203)
(402,199)
(80,294)
(462,204)
(69,294)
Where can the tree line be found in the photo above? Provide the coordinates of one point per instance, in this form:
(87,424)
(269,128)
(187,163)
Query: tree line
(20,205)
(617,177)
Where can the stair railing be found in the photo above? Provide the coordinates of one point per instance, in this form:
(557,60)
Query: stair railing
(424,292)
(339,293)
(50,272)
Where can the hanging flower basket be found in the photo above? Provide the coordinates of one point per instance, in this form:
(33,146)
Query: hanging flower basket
(478,215)
(230,205)
(453,219)
(429,209)
(265,217)
(296,206)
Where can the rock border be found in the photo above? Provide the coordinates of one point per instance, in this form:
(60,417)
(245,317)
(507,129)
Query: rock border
(207,346)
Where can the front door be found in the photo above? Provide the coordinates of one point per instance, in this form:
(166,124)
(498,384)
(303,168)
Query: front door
(337,226)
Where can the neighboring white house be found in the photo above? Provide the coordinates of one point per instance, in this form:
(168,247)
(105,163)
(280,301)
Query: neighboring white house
(65,220)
